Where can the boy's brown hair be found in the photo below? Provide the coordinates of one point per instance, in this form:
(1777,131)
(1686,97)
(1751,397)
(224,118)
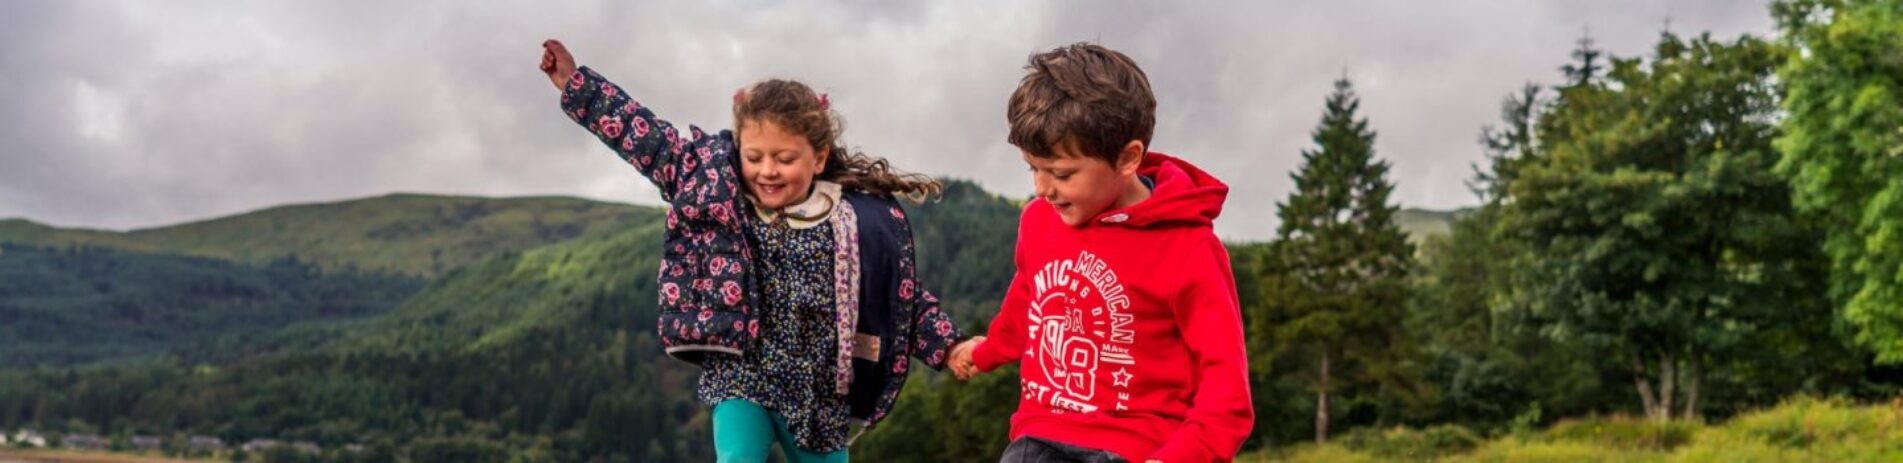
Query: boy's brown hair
(1083,95)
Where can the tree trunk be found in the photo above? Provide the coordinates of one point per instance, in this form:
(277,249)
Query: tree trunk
(1645,387)
(1321,406)
(1692,381)
(1668,385)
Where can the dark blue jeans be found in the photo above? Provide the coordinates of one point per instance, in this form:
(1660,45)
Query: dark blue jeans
(1029,449)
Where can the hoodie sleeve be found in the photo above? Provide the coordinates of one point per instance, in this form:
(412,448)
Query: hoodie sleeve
(641,139)
(1209,316)
(1004,341)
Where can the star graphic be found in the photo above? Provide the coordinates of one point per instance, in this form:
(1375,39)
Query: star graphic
(1122,377)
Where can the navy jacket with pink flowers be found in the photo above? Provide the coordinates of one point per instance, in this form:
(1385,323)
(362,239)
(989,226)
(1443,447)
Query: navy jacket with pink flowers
(707,289)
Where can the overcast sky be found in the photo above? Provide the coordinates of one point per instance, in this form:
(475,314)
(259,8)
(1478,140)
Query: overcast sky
(134,114)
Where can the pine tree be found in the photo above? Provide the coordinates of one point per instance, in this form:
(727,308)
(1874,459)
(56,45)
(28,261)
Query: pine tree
(1336,284)
(1587,68)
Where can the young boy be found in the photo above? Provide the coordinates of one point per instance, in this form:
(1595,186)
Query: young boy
(1123,310)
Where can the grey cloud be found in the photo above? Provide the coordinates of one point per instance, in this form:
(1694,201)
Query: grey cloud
(132,114)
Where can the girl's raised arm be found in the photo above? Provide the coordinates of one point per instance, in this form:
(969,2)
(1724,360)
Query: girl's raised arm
(641,139)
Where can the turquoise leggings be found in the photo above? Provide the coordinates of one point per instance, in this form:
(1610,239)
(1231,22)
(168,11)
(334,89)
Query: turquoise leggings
(744,432)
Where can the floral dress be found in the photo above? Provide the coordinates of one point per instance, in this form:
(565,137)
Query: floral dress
(789,370)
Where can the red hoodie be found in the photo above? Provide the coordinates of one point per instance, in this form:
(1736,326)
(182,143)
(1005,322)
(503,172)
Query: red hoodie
(1127,327)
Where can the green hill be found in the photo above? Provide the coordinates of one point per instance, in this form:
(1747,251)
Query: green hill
(421,235)
(228,288)
(548,350)
(540,343)
(76,305)
(1421,224)
(964,248)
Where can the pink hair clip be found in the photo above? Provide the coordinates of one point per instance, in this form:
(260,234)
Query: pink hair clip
(739,96)
(823,103)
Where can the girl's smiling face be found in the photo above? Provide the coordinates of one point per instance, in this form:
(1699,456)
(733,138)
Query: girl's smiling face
(778,166)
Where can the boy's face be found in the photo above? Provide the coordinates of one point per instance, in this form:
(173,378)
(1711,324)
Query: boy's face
(778,166)
(1081,187)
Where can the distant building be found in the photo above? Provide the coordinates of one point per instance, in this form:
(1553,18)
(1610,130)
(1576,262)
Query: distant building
(206,444)
(258,445)
(84,441)
(148,443)
(30,438)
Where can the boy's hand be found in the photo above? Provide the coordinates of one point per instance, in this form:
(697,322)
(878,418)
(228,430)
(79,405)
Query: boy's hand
(961,364)
(557,63)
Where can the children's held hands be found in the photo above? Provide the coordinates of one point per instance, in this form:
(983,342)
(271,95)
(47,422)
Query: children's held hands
(557,63)
(961,363)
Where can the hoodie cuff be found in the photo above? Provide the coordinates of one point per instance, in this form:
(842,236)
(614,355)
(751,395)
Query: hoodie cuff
(987,357)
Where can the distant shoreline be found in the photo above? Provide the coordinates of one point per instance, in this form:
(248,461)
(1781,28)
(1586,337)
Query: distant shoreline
(68,456)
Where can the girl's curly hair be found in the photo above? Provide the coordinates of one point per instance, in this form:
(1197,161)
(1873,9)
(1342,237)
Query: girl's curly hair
(798,109)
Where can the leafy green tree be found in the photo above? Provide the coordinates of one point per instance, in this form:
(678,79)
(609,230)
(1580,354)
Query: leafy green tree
(1843,144)
(1655,232)
(943,420)
(468,449)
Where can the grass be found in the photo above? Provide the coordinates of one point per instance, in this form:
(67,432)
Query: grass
(1802,429)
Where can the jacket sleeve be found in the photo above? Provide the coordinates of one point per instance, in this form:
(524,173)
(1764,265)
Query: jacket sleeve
(933,333)
(1210,319)
(650,144)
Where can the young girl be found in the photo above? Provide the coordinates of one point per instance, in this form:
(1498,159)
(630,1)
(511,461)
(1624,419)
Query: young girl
(787,273)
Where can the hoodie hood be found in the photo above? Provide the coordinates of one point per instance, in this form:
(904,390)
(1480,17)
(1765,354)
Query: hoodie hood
(1183,194)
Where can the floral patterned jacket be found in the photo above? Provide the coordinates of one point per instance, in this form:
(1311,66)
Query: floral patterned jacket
(708,297)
